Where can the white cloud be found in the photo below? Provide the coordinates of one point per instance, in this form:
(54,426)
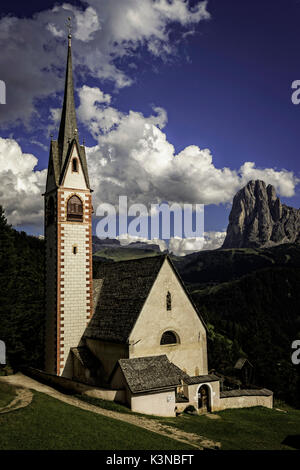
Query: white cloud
(283,181)
(213,240)
(125,239)
(87,22)
(33,51)
(21,186)
(181,246)
(185,246)
(134,158)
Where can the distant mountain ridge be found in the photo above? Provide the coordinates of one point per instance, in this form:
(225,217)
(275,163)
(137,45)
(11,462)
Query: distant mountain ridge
(258,219)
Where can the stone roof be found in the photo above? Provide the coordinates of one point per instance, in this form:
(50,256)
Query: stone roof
(146,374)
(262,392)
(200,379)
(120,290)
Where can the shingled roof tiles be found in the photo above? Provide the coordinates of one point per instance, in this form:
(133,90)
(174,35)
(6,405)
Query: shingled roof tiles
(151,373)
(262,392)
(120,296)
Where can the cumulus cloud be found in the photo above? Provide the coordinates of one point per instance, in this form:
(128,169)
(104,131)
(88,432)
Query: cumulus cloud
(134,158)
(125,239)
(33,49)
(21,186)
(180,246)
(185,246)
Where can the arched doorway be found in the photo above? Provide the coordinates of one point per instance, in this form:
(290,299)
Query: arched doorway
(204,399)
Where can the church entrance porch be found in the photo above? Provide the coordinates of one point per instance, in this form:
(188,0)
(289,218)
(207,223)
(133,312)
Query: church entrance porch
(204,405)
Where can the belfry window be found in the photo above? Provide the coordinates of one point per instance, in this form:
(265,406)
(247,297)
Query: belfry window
(169,301)
(169,337)
(75,165)
(75,209)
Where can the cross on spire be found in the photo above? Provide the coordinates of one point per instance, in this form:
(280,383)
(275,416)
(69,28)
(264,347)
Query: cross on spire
(69,26)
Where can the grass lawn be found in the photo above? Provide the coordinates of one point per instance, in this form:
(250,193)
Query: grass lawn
(48,423)
(7,394)
(106,404)
(256,428)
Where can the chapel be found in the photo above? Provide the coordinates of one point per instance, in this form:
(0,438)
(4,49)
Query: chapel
(130,330)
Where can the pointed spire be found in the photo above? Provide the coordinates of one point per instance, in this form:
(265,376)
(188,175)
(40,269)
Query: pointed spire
(68,123)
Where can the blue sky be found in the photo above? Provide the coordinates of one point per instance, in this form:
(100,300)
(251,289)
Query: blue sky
(218,78)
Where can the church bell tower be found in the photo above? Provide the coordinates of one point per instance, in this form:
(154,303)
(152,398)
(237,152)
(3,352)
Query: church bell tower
(68,235)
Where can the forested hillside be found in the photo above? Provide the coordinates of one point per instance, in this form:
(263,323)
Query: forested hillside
(256,315)
(250,300)
(21,295)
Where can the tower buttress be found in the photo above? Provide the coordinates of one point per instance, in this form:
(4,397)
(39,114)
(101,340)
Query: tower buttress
(68,235)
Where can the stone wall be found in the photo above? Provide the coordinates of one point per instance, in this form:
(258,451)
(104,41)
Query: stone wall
(77,387)
(245,401)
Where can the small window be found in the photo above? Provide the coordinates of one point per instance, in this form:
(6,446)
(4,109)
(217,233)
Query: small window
(75,165)
(75,250)
(75,209)
(169,337)
(169,301)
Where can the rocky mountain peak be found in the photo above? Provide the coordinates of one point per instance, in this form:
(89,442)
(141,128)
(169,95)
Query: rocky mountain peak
(258,219)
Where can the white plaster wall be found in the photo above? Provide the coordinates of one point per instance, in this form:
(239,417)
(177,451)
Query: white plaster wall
(159,404)
(154,319)
(74,179)
(214,394)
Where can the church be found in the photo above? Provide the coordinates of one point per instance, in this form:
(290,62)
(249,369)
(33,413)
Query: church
(130,330)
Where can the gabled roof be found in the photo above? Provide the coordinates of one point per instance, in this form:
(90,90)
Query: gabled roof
(145,374)
(121,291)
(121,296)
(82,158)
(241,362)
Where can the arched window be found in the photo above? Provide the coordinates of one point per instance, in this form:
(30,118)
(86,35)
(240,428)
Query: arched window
(75,209)
(169,301)
(169,337)
(50,211)
(75,165)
